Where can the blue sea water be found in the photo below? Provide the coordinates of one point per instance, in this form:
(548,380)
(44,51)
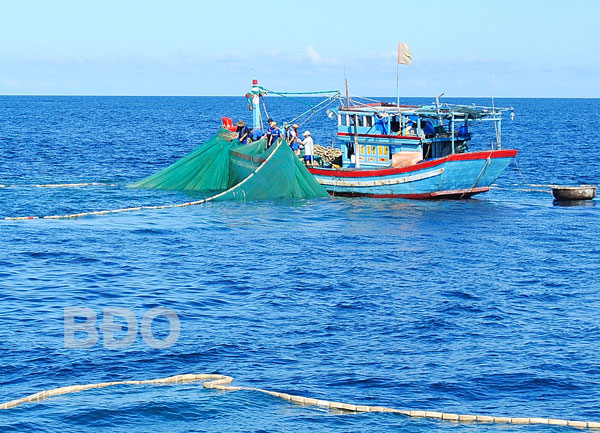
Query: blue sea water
(485,306)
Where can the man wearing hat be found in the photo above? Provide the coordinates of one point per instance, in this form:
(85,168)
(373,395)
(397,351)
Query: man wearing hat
(273,134)
(309,157)
(242,132)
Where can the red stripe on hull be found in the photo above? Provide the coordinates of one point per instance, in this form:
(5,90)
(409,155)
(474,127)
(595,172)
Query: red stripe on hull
(353,172)
(451,194)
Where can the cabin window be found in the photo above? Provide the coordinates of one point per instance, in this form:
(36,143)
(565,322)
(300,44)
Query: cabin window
(340,120)
(348,122)
(395,124)
(367,121)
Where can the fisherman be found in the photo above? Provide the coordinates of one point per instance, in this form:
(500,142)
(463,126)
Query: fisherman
(309,157)
(242,132)
(409,127)
(275,134)
(256,134)
(428,129)
(292,138)
(269,129)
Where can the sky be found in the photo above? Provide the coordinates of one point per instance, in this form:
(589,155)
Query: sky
(512,48)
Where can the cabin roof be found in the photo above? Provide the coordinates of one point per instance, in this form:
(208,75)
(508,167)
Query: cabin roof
(445,111)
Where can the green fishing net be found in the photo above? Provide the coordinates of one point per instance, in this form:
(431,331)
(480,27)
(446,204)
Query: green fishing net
(238,172)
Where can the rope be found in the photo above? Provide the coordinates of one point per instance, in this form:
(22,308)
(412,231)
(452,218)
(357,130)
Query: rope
(331,100)
(302,93)
(521,173)
(222,382)
(265,108)
(138,208)
(284,94)
(485,166)
(539,185)
(521,189)
(58,185)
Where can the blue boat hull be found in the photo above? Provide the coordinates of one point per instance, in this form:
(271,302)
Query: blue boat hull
(454,176)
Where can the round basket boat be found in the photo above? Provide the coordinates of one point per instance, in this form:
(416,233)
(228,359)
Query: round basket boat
(581,192)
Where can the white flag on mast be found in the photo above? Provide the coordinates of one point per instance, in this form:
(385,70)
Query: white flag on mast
(404,57)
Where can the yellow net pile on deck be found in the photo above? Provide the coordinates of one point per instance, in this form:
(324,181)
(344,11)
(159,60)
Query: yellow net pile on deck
(238,171)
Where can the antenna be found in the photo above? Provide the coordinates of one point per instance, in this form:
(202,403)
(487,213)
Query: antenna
(398,87)
(347,92)
(439,109)
(498,139)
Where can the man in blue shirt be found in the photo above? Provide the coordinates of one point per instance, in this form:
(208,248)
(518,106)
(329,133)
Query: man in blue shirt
(273,134)
(256,134)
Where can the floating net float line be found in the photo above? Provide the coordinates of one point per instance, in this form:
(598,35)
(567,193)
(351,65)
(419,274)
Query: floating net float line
(547,191)
(111,211)
(58,185)
(222,382)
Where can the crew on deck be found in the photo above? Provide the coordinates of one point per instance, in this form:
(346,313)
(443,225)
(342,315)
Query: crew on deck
(242,132)
(309,157)
(273,134)
(291,135)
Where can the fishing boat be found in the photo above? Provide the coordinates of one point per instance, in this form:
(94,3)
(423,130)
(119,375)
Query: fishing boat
(416,152)
(406,151)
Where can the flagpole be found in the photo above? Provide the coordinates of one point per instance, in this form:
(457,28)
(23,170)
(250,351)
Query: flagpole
(404,58)
(397,86)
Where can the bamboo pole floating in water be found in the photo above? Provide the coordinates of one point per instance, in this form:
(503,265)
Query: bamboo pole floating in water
(222,382)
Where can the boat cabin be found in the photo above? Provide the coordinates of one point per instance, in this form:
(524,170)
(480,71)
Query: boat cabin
(387,135)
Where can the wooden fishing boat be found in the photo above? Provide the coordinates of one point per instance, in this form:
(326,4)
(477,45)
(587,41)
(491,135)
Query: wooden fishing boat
(406,151)
(417,152)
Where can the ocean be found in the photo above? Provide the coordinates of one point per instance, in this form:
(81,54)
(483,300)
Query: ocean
(485,306)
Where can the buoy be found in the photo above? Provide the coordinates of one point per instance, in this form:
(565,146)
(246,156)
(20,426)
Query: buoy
(569,193)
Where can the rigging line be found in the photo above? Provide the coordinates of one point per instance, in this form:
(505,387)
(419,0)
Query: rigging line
(494,108)
(328,101)
(315,112)
(531,185)
(536,185)
(365,98)
(520,172)
(488,162)
(284,95)
(265,108)
(303,93)
(296,100)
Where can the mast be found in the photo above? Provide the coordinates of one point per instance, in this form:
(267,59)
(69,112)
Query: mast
(356,146)
(347,94)
(256,120)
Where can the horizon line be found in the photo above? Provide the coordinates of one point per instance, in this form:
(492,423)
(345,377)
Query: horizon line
(277,96)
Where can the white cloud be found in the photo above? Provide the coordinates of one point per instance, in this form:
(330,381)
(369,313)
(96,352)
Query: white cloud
(10,83)
(314,57)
